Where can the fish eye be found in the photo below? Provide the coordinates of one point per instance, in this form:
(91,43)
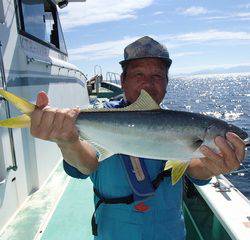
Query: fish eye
(197,143)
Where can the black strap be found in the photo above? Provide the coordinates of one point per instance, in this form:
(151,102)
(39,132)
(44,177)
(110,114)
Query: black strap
(160,177)
(123,200)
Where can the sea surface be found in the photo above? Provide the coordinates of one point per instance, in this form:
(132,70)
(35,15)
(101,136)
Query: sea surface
(224,96)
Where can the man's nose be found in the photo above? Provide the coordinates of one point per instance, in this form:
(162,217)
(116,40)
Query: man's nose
(148,81)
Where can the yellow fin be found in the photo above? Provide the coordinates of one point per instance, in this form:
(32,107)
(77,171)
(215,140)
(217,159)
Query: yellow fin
(178,169)
(168,165)
(103,153)
(21,104)
(22,121)
(143,103)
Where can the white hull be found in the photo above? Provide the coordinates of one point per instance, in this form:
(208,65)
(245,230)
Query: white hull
(30,67)
(229,205)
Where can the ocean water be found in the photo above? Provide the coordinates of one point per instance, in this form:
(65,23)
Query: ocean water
(226,97)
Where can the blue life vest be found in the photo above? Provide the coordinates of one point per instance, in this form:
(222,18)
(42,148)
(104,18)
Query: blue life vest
(141,188)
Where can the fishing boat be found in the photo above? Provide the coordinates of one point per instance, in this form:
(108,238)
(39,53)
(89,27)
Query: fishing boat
(38,200)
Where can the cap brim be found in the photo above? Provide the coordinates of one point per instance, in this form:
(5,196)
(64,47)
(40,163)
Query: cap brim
(167,60)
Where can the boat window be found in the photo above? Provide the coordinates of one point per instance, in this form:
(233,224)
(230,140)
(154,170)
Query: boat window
(33,17)
(61,38)
(40,20)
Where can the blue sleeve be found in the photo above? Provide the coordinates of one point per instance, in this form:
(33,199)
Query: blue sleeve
(72,171)
(198,182)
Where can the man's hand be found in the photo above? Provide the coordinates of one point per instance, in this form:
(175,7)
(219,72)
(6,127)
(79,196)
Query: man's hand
(232,153)
(57,125)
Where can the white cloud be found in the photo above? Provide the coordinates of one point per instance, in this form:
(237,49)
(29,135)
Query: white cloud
(243,14)
(97,11)
(101,50)
(236,16)
(182,54)
(158,13)
(218,17)
(111,49)
(209,35)
(178,70)
(194,11)
(244,5)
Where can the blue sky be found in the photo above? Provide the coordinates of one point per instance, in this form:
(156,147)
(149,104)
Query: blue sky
(198,34)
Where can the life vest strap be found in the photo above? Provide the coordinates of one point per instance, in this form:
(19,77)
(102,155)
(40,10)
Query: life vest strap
(123,200)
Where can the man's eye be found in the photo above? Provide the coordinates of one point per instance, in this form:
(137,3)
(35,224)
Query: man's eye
(139,75)
(158,77)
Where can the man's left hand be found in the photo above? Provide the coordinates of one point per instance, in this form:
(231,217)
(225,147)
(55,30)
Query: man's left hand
(232,153)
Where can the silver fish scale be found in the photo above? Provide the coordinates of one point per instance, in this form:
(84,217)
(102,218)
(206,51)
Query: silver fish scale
(158,134)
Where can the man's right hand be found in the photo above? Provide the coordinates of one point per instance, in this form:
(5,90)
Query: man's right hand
(57,125)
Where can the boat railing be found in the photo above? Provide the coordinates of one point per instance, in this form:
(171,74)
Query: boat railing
(2,182)
(7,112)
(112,77)
(98,70)
(51,64)
(32,59)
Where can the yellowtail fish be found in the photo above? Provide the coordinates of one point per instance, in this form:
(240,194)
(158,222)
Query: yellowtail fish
(142,129)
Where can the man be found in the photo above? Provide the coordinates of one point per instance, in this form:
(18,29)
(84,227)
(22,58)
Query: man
(116,179)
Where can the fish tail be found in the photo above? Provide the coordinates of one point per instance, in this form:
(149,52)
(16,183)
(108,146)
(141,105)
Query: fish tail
(21,104)
(178,169)
(22,121)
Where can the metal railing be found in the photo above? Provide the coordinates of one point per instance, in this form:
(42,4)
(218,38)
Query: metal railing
(50,64)
(113,77)
(7,110)
(96,68)
(3,182)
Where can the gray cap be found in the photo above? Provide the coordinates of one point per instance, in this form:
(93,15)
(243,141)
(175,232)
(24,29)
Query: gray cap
(146,47)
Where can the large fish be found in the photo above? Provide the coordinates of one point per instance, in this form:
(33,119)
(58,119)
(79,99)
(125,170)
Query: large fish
(142,129)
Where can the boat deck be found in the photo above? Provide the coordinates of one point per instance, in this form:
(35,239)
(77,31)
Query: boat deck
(61,209)
(72,218)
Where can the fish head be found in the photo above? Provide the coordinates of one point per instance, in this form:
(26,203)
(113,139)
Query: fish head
(220,128)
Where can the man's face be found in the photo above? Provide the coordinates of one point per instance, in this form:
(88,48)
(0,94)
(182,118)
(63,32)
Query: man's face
(149,74)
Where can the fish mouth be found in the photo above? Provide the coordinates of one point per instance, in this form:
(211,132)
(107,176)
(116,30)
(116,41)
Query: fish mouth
(238,131)
(247,142)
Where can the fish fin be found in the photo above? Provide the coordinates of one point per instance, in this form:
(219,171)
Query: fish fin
(168,165)
(102,152)
(22,121)
(21,104)
(143,103)
(178,169)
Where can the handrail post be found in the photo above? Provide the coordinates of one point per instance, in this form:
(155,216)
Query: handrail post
(7,110)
